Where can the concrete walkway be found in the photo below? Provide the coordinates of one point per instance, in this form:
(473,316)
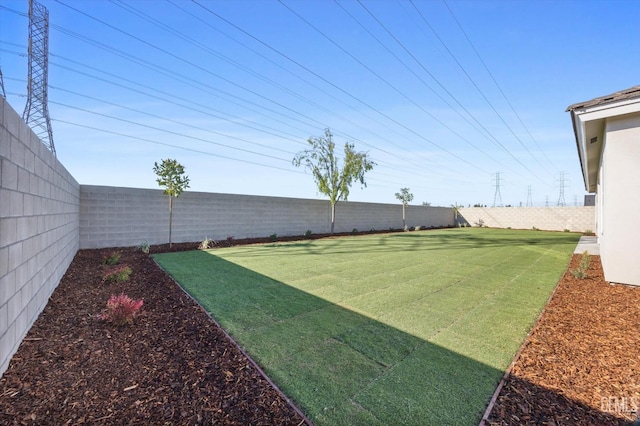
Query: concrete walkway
(589,244)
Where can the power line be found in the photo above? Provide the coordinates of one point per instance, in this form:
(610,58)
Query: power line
(176,146)
(336,87)
(493,138)
(424,162)
(496,83)
(462,68)
(354,123)
(170,132)
(408,68)
(197,66)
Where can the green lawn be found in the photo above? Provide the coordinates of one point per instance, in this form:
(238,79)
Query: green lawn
(404,328)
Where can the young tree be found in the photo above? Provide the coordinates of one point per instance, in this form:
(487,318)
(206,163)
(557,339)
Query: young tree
(405,197)
(172,178)
(333,179)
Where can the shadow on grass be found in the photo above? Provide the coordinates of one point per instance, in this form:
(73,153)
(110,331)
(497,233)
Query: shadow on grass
(430,240)
(339,366)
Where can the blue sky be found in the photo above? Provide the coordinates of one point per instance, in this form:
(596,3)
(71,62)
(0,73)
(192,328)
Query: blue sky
(443,95)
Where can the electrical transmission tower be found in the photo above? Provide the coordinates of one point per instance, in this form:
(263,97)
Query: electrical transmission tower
(36,111)
(546,201)
(562,185)
(529,201)
(497,198)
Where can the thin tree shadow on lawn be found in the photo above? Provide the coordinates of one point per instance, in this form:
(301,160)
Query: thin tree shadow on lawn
(339,366)
(452,239)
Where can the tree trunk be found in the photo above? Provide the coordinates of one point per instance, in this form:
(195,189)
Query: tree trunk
(170,217)
(404,222)
(333,216)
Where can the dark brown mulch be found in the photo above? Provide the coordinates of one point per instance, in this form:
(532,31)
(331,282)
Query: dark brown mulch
(581,363)
(173,365)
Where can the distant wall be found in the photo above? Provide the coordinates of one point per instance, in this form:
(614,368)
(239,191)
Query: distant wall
(113,217)
(39,234)
(578,219)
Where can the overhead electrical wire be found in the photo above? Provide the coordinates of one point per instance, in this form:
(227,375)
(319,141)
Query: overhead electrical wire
(484,64)
(388,84)
(310,83)
(473,82)
(197,66)
(504,148)
(226,59)
(333,85)
(171,132)
(246,69)
(408,68)
(316,105)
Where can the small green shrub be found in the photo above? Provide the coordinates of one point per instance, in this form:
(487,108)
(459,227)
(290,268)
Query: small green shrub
(117,274)
(534,228)
(566,230)
(585,262)
(111,258)
(230,240)
(354,231)
(588,232)
(273,237)
(206,244)
(144,247)
(307,234)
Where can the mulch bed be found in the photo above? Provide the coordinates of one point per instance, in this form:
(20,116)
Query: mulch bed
(174,365)
(581,362)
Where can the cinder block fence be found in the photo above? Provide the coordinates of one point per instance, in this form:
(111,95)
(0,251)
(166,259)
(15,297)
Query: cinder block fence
(576,219)
(39,228)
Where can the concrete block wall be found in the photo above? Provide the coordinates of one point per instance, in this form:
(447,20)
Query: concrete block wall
(113,217)
(39,232)
(577,219)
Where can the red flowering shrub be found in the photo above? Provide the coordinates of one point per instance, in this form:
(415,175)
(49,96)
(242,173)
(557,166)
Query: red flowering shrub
(121,309)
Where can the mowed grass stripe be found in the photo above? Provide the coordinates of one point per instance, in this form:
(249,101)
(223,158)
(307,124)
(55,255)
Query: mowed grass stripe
(409,328)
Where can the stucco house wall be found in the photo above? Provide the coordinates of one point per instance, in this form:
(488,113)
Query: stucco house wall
(619,199)
(607,131)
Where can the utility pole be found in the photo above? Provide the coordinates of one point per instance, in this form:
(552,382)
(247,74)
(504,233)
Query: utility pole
(36,110)
(546,201)
(497,197)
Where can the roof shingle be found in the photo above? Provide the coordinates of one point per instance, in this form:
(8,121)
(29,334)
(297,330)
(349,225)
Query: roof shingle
(630,93)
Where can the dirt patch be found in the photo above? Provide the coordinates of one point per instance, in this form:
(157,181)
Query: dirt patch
(581,363)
